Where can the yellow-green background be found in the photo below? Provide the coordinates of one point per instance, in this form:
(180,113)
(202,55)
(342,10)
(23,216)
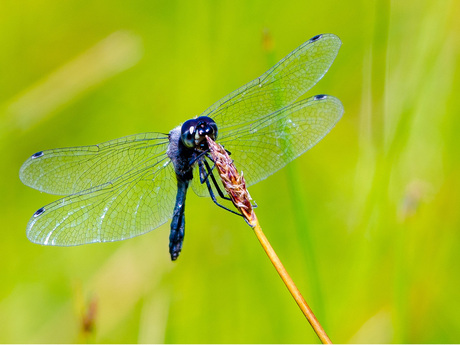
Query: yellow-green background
(367,223)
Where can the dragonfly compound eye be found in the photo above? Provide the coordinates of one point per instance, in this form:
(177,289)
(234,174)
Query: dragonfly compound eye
(206,126)
(188,133)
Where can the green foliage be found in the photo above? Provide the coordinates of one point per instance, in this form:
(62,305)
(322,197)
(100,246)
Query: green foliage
(366,222)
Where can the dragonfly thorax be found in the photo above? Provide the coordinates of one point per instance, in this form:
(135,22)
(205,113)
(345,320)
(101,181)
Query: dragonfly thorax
(194,132)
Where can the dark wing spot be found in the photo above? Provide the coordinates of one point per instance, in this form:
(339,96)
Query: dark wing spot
(39,212)
(319,97)
(38,154)
(315,38)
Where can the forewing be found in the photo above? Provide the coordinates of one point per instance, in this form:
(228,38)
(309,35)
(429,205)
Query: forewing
(280,86)
(129,206)
(74,169)
(262,148)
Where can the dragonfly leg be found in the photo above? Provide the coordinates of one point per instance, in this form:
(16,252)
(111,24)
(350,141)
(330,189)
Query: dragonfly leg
(209,170)
(211,193)
(205,174)
(216,185)
(197,158)
(206,152)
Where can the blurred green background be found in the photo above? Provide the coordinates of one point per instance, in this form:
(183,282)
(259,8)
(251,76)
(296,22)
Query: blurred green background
(367,222)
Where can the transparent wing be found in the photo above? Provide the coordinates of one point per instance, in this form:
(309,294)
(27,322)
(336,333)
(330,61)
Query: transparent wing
(74,169)
(279,86)
(263,147)
(130,205)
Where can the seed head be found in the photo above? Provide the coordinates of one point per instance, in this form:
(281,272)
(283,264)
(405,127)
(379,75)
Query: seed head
(233,182)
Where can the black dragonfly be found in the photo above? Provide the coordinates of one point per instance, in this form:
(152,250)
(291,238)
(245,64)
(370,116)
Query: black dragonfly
(129,186)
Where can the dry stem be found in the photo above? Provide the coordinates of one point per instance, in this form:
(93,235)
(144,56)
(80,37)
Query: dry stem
(235,186)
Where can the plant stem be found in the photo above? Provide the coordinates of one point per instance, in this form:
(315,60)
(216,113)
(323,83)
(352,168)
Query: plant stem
(235,187)
(290,284)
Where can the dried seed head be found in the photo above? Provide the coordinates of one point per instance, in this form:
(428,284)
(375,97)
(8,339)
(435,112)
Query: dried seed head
(233,182)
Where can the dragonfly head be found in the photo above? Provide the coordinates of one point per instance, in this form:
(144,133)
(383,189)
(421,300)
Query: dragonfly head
(194,132)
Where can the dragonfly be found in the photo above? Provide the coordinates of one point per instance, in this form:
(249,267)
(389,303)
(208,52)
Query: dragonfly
(129,186)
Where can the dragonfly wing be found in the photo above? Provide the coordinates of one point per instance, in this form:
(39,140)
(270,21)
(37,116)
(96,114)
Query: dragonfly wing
(74,169)
(262,148)
(251,119)
(130,205)
(279,86)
